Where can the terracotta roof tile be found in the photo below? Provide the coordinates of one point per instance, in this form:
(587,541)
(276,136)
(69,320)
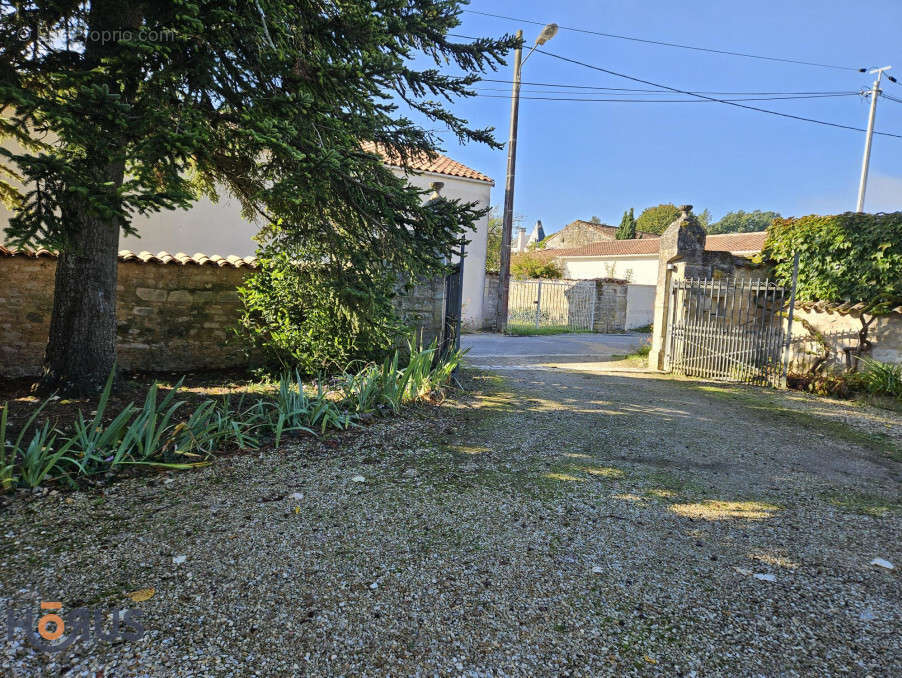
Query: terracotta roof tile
(843,308)
(439,164)
(725,242)
(607,248)
(179,258)
(736,242)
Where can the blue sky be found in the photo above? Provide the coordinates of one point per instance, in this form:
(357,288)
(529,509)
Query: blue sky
(580,159)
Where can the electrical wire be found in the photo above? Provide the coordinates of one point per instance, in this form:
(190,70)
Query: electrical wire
(635,89)
(891,98)
(702,96)
(648,96)
(667,101)
(674,44)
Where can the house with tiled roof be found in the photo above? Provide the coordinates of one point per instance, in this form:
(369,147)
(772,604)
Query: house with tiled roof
(222,233)
(580,232)
(637,260)
(467,185)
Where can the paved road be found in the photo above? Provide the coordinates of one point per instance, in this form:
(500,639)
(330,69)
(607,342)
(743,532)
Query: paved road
(567,347)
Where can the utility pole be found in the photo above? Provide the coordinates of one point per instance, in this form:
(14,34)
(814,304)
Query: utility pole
(866,161)
(507,222)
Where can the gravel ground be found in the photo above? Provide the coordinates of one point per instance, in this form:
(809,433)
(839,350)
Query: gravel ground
(552,522)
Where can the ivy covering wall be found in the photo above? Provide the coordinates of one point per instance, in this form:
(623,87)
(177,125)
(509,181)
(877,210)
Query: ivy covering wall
(843,257)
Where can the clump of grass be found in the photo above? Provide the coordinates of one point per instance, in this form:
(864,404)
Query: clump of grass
(638,356)
(521,330)
(882,378)
(388,387)
(863,503)
(153,435)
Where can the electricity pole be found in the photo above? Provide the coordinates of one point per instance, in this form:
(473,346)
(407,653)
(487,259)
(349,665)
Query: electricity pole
(507,223)
(866,161)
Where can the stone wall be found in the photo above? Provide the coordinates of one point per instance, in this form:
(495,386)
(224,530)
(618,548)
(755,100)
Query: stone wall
(26,297)
(580,233)
(177,316)
(838,331)
(423,308)
(610,306)
(490,301)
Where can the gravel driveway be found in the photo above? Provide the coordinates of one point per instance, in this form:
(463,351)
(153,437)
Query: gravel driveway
(552,522)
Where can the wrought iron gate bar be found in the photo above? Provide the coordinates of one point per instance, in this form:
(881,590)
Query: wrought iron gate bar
(727,329)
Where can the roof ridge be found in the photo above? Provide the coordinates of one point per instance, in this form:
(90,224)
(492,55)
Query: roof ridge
(735,242)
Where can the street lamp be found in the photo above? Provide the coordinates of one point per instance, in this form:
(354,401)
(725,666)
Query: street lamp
(504,273)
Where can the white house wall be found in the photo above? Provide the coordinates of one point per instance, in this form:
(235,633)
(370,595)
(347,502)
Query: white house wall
(467,190)
(644,268)
(208,227)
(219,228)
(640,305)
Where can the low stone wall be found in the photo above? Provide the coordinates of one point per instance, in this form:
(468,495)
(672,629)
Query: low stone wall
(610,305)
(490,301)
(174,314)
(422,307)
(839,331)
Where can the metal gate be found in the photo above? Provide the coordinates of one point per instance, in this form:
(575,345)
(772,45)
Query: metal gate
(728,330)
(564,305)
(454,282)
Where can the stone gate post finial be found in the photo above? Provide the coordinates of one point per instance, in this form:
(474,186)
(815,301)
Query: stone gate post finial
(685,209)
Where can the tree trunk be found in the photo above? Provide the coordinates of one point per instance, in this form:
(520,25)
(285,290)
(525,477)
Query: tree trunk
(81,350)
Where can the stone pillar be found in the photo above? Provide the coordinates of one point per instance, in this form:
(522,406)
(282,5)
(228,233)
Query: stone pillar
(681,248)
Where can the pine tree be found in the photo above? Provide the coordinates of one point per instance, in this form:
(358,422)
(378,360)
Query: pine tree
(627,229)
(130,108)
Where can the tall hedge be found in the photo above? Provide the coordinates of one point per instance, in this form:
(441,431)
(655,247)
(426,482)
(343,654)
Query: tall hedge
(844,257)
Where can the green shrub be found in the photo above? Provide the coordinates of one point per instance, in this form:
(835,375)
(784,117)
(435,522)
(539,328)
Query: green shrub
(881,378)
(531,266)
(315,318)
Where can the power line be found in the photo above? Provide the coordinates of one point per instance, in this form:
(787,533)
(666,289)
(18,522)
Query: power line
(702,96)
(648,97)
(635,89)
(666,101)
(675,44)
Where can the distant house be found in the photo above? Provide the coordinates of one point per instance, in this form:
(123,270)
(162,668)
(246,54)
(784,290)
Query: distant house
(523,242)
(579,233)
(637,260)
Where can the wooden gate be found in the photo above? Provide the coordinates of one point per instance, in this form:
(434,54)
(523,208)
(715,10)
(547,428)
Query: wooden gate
(728,330)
